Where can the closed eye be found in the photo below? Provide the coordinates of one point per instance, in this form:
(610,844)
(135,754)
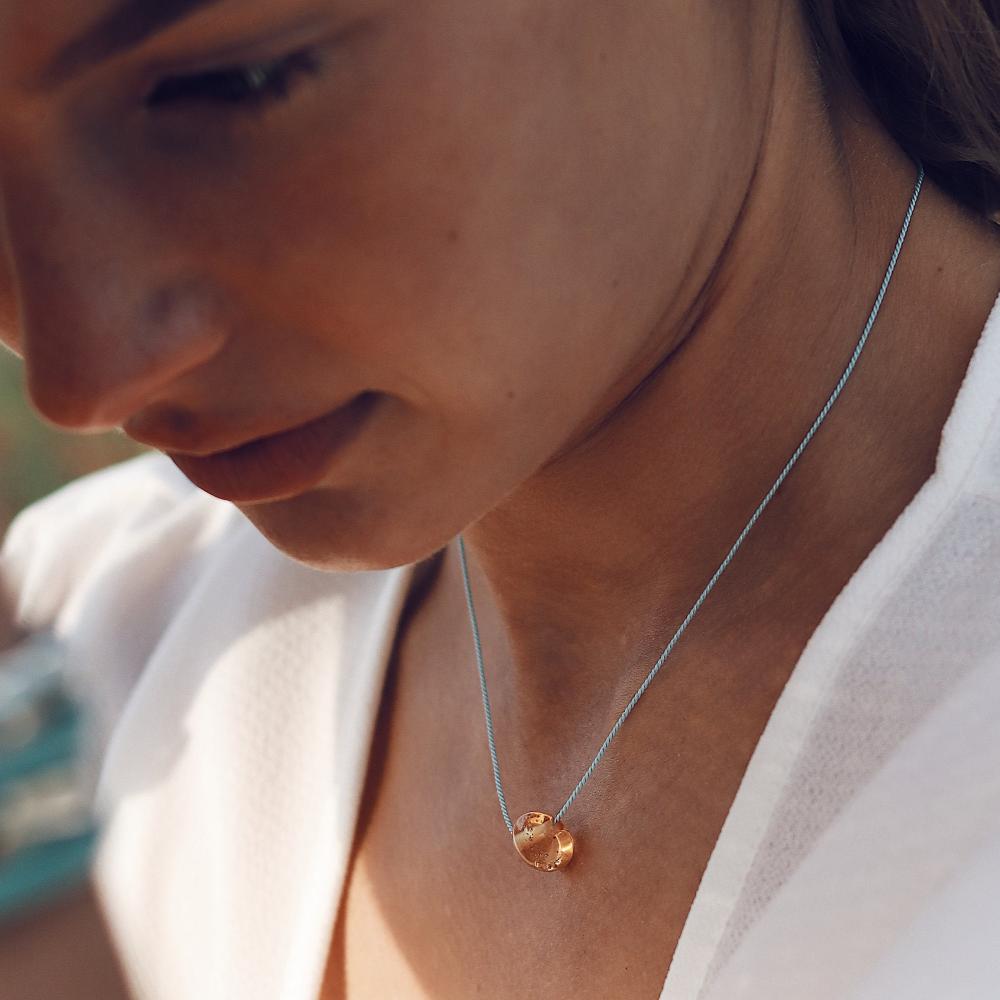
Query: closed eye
(252,84)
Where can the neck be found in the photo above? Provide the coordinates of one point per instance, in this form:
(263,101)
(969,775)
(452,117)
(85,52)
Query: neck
(582,575)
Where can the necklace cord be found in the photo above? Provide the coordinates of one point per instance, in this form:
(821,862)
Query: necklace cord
(715,576)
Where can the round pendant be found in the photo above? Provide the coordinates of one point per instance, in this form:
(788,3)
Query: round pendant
(542,842)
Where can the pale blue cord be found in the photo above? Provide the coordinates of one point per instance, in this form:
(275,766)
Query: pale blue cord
(711,583)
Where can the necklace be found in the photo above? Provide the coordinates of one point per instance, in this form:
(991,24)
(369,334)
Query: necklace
(540,838)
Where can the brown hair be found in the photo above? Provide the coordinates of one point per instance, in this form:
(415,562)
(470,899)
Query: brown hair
(931,71)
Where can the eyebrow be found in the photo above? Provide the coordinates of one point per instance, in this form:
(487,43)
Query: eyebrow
(120,29)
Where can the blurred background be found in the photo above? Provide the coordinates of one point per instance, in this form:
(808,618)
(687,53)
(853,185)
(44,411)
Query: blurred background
(35,457)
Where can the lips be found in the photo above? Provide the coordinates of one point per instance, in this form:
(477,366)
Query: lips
(280,465)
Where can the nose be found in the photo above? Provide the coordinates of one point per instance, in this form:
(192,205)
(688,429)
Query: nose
(109,316)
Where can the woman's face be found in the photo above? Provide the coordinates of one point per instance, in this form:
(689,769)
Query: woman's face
(474,213)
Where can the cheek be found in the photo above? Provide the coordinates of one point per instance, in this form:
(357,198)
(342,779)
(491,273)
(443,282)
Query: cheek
(444,243)
(451,204)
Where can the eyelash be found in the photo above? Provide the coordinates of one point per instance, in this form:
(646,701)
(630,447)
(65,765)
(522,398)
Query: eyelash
(248,86)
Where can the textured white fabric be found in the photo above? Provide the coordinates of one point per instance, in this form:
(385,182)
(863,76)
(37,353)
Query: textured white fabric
(235,693)
(810,884)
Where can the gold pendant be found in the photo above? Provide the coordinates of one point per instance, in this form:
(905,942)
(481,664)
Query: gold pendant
(542,842)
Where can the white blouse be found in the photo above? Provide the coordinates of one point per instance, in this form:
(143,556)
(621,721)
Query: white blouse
(236,690)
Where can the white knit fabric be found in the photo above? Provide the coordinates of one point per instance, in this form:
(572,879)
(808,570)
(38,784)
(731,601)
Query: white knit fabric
(235,694)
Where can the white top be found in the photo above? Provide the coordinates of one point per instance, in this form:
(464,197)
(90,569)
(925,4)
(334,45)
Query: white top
(236,692)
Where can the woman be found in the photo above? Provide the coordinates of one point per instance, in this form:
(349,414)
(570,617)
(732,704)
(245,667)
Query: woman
(567,283)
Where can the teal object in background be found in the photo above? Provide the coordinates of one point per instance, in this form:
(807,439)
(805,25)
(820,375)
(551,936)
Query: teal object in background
(48,832)
(41,874)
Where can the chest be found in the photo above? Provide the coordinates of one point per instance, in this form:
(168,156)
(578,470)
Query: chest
(461,930)
(438,904)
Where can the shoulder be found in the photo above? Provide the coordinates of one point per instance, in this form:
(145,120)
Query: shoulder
(171,606)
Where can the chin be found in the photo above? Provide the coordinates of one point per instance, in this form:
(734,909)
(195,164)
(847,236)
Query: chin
(342,531)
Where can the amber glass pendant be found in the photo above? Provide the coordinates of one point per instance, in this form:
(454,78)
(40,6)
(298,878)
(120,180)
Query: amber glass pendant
(542,842)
